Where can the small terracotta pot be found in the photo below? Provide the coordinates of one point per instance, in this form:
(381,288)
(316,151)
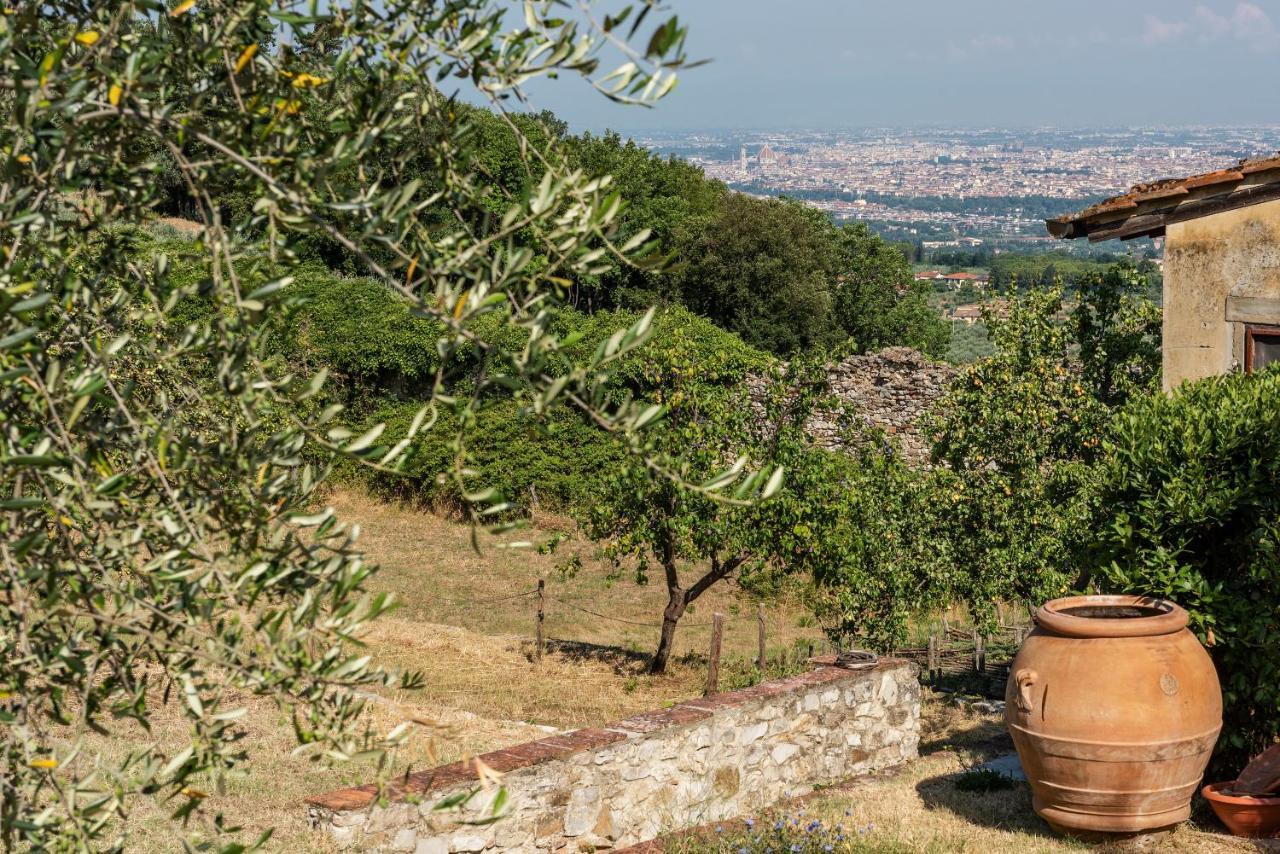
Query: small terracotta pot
(1244,815)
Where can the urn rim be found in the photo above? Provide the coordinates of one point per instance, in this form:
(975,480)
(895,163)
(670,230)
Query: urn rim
(1111,616)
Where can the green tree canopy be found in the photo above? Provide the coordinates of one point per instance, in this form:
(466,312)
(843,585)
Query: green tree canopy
(669,197)
(787,280)
(763,269)
(877,301)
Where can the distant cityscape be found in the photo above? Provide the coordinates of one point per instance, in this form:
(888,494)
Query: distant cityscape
(950,187)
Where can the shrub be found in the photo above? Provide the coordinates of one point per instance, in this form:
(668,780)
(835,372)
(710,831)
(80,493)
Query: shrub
(360,329)
(1189,509)
(683,345)
(382,358)
(554,460)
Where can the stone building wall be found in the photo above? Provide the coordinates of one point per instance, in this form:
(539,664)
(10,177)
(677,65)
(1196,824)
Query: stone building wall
(701,761)
(890,390)
(1221,274)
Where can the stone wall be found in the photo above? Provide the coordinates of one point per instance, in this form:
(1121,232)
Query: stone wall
(701,761)
(889,390)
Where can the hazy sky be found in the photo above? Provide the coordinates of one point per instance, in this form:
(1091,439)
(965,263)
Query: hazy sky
(841,63)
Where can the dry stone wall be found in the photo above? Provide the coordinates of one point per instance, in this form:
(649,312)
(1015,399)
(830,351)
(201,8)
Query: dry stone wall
(891,391)
(700,761)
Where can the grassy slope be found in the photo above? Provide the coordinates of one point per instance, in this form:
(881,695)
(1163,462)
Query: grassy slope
(484,692)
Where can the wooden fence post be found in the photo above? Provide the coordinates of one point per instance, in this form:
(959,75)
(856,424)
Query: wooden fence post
(979,653)
(542,596)
(760,651)
(713,666)
(933,657)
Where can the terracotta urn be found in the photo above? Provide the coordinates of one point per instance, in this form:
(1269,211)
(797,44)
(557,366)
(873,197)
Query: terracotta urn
(1114,707)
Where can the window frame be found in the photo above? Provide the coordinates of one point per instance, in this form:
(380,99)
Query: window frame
(1250,330)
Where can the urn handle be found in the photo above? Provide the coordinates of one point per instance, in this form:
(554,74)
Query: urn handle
(1026,680)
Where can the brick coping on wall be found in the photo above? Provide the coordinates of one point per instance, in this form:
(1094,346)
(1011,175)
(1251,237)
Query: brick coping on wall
(444,777)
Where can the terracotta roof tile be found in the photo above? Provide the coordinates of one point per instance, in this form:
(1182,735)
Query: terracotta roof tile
(1170,190)
(1260,164)
(1218,177)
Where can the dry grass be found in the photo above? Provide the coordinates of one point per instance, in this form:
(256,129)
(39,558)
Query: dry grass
(483,691)
(431,565)
(919,808)
(566,688)
(269,791)
(186,227)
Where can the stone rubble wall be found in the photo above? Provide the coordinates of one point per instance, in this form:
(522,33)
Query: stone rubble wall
(890,390)
(701,761)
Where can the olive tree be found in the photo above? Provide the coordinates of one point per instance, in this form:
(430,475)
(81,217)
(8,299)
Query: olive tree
(161,536)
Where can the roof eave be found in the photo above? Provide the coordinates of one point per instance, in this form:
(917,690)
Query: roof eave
(1152,220)
(1061,228)
(1147,209)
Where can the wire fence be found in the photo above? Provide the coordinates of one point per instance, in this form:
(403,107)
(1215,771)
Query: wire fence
(468,602)
(648,624)
(762,660)
(950,652)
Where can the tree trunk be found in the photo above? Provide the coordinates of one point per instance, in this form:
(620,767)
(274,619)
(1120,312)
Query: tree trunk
(678,599)
(676,604)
